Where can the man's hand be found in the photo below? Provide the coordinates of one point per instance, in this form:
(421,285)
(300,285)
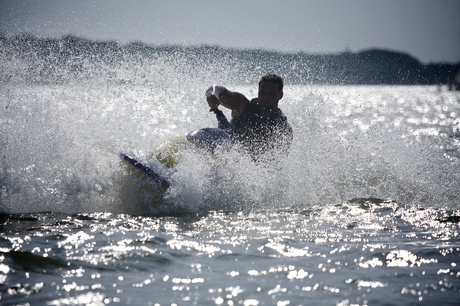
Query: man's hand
(209,92)
(213,102)
(212,96)
(215,90)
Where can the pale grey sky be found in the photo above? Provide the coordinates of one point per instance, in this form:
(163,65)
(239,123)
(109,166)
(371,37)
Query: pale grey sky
(429,30)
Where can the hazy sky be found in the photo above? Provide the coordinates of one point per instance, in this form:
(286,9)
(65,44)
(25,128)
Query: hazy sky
(429,30)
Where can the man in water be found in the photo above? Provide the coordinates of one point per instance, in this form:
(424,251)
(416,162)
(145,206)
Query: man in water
(258,126)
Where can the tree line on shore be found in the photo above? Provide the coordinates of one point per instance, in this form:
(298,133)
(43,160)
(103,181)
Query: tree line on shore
(26,58)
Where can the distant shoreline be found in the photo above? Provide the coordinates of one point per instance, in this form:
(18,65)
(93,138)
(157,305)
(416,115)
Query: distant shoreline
(71,57)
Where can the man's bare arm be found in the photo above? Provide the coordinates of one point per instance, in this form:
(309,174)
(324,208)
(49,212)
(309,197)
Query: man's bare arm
(235,101)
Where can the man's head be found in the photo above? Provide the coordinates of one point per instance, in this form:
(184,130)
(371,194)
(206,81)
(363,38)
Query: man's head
(274,78)
(270,91)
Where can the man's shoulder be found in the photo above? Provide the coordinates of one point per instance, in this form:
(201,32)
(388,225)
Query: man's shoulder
(252,108)
(253,103)
(279,115)
(283,121)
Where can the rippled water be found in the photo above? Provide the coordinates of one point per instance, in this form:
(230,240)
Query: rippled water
(365,210)
(365,252)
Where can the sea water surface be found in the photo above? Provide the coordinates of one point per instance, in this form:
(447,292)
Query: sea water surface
(365,210)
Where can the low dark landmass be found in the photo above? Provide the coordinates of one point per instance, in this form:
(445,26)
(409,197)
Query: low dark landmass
(26,58)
